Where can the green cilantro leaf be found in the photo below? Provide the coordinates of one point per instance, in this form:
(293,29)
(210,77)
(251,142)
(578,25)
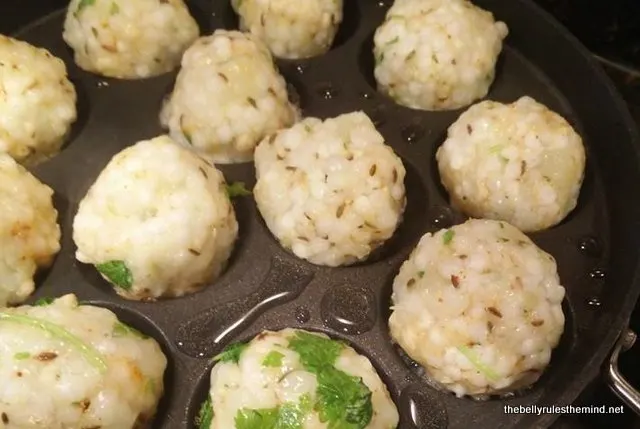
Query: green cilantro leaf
(315,352)
(343,400)
(150,385)
(22,356)
(495,149)
(231,353)
(448,236)
(122,330)
(84,3)
(205,416)
(237,189)
(43,301)
(273,359)
(288,416)
(477,363)
(291,416)
(257,419)
(117,273)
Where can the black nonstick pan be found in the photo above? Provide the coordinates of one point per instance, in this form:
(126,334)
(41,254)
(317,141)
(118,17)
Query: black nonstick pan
(597,247)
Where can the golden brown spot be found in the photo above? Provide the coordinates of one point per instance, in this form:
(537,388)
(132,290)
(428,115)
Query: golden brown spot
(411,282)
(469,129)
(253,103)
(5,418)
(136,374)
(537,323)
(395,175)
(194,252)
(84,404)
(223,77)
(490,326)
(204,173)
(455,281)
(494,311)
(262,22)
(20,229)
(280,157)
(290,168)
(303,238)
(523,167)
(109,48)
(46,356)
(272,92)
(463,257)
(19,374)
(373,169)
(340,210)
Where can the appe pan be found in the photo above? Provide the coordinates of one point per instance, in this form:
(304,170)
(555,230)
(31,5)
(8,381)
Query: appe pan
(597,247)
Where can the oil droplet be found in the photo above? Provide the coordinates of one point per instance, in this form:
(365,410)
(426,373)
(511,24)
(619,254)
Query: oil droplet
(412,133)
(103,84)
(383,3)
(422,410)
(327,91)
(301,68)
(594,302)
(441,217)
(206,333)
(302,315)
(350,309)
(597,274)
(366,95)
(377,116)
(590,246)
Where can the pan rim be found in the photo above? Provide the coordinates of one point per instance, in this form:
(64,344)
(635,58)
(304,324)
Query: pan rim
(622,319)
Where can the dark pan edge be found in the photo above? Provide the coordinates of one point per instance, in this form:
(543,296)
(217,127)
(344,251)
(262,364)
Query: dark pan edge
(621,319)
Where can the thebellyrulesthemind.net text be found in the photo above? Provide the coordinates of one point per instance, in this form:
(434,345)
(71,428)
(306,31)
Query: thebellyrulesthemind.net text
(567,409)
